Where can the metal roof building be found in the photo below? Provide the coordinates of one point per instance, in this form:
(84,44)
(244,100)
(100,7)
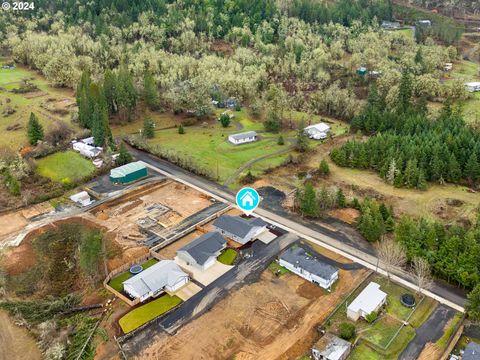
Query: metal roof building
(331,347)
(128,173)
(368,301)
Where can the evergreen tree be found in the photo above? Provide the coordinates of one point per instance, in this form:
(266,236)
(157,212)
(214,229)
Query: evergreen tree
(411,173)
(421,181)
(34,129)
(150,92)
(224,119)
(181,129)
(126,94)
(405,90)
(110,90)
(302,138)
(281,140)
(473,304)
(472,168)
(85,109)
(341,200)
(323,168)
(148,127)
(308,203)
(124,156)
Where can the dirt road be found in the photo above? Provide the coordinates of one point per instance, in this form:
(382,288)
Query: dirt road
(15,342)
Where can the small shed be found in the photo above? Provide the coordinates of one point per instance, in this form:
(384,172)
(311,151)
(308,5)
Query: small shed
(473,86)
(331,347)
(368,301)
(390,25)
(128,173)
(362,71)
(81,198)
(425,23)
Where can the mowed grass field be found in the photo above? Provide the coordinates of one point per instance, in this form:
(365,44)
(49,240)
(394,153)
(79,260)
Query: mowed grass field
(65,165)
(26,103)
(209,148)
(143,314)
(117,282)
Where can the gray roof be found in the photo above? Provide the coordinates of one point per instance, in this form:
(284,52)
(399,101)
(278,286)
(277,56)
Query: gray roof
(297,255)
(156,277)
(207,245)
(472,352)
(244,135)
(237,225)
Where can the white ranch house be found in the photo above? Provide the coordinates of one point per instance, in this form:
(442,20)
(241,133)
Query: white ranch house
(305,264)
(86,150)
(369,300)
(317,131)
(164,276)
(243,138)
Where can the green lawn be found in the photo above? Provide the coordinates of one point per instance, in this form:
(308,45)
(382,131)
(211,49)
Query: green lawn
(117,282)
(143,314)
(12,77)
(63,165)
(228,256)
(382,330)
(276,268)
(364,352)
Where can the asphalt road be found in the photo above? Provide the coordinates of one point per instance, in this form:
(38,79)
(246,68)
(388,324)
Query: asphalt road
(430,331)
(247,271)
(333,240)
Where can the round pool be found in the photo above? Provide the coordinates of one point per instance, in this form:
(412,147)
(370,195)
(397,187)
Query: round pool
(136,269)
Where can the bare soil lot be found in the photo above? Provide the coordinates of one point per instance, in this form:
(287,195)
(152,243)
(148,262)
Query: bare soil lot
(15,343)
(274,318)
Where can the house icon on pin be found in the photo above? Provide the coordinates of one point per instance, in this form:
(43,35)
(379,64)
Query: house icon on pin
(247,200)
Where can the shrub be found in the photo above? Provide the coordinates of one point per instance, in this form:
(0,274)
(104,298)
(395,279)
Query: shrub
(370,318)
(67,183)
(181,130)
(224,120)
(347,331)
(281,140)
(248,178)
(323,168)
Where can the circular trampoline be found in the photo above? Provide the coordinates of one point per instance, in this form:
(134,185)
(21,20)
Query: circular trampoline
(407,300)
(136,269)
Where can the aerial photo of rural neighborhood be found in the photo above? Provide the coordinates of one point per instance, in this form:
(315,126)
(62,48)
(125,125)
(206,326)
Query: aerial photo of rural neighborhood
(240,180)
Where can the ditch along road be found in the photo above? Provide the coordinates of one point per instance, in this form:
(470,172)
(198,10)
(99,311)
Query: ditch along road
(331,240)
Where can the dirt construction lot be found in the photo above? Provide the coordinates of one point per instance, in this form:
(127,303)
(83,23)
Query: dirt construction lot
(274,318)
(15,343)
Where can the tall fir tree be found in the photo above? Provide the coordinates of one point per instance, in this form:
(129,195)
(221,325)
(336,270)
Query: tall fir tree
(150,92)
(308,203)
(34,130)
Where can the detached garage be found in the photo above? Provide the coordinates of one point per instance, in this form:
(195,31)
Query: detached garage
(128,173)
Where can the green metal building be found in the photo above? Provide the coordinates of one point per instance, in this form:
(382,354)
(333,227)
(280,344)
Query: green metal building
(128,173)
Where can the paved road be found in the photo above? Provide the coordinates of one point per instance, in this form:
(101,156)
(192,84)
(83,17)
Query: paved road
(247,271)
(333,240)
(430,331)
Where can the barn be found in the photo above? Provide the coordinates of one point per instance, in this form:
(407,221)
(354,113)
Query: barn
(128,173)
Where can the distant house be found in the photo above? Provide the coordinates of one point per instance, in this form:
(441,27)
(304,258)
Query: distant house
(164,276)
(317,131)
(203,251)
(362,71)
(307,265)
(86,150)
(390,25)
(82,198)
(331,347)
(128,173)
(471,352)
(239,229)
(447,67)
(89,141)
(368,301)
(425,23)
(243,138)
(473,86)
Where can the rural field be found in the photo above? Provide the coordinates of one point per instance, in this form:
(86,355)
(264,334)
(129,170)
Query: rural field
(48,103)
(65,166)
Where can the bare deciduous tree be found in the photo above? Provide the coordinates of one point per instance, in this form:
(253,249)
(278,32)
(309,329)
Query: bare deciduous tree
(422,274)
(392,255)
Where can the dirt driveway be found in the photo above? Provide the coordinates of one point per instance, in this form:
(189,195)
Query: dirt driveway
(273,318)
(15,343)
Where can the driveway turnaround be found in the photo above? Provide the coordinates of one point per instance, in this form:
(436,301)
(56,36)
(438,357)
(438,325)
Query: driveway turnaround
(430,331)
(187,291)
(204,277)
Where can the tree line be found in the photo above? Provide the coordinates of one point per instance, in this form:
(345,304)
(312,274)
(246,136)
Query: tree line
(409,149)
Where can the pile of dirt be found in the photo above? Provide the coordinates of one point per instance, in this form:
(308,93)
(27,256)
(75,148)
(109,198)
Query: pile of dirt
(309,290)
(347,215)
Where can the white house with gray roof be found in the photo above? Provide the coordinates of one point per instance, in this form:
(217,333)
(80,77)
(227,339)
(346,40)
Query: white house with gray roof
(203,251)
(240,229)
(153,281)
(243,138)
(307,265)
(369,300)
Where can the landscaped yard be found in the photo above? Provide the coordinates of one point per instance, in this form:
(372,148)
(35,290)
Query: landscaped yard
(117,282)
(228,257)
(143,314)
(380,333)
(276,268)
(65,165)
